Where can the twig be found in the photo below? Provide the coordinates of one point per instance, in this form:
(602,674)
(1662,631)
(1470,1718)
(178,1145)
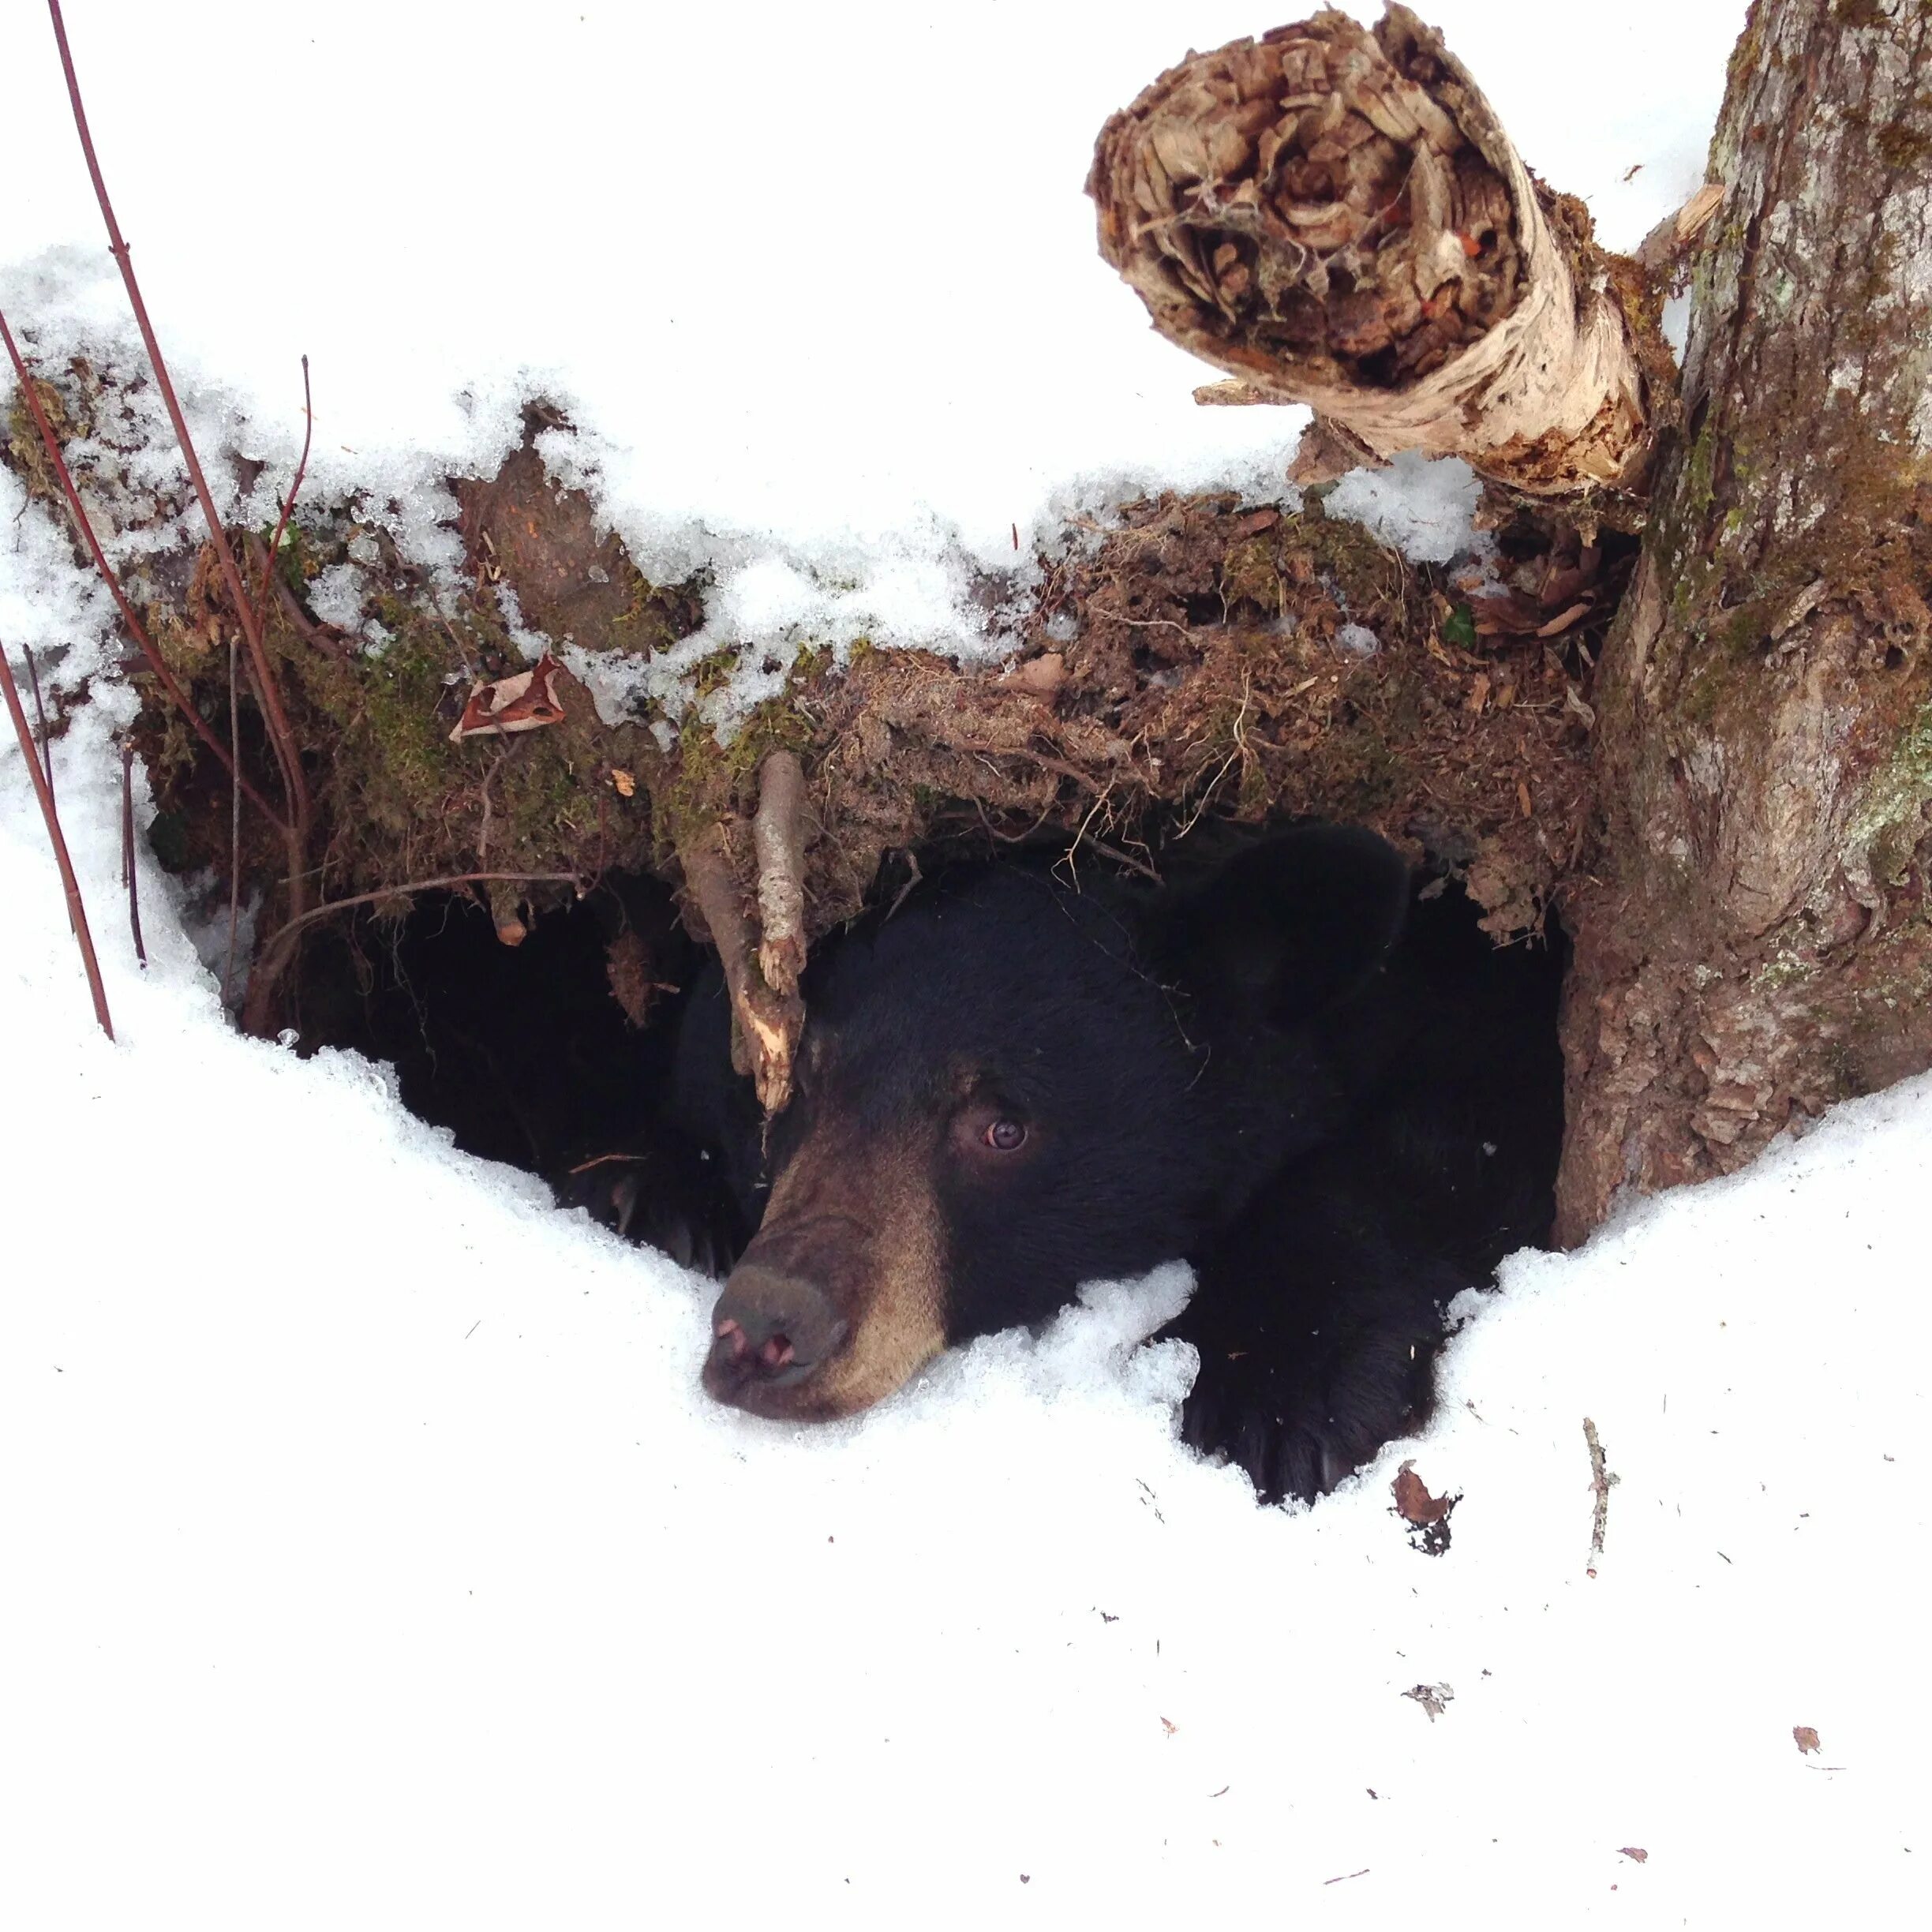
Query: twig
(77,912)
(135,629)
(280,736)
(47,743)
(331,906)
(234,821)
(129,875)
(1602,1481)
(288,502)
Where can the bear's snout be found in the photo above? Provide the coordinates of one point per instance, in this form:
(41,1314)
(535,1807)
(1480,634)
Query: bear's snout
(770,1330)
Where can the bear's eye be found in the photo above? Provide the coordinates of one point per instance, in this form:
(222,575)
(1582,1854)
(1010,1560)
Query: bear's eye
(1006,1137)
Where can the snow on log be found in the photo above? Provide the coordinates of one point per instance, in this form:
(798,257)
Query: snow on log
(1335,217)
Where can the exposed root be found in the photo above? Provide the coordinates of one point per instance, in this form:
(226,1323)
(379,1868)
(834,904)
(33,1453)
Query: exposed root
(778,838)
(767,1022)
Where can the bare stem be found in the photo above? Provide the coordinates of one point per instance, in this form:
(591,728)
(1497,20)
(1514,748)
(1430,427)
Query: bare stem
(331,906)
(129,872)
(135,628)
(234,818)
(280,735)
(77,912)
(47,743)
(288,502)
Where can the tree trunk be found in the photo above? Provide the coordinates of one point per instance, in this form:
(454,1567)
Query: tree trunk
(1752,943)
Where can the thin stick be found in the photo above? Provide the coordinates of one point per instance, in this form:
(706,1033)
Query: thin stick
(288,502)
(77,912)
(280,735)
(130,873)
(50,442)
(416,886)
(47,743)
(234,818)
(305,627)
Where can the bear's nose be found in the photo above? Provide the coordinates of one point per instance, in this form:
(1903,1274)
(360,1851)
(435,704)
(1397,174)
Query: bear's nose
(768,1326)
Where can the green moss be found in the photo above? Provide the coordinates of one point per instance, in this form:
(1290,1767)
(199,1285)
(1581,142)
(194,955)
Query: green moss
(1890,821)
(707,778)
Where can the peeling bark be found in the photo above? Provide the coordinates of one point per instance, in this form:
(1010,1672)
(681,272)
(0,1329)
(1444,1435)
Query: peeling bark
(1755,945)
(1335,217)
(778,837)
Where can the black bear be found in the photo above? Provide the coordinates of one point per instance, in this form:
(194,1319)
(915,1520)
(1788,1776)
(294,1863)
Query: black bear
(1309,1075)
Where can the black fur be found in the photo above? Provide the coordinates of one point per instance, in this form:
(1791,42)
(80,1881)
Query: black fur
(1322,1086)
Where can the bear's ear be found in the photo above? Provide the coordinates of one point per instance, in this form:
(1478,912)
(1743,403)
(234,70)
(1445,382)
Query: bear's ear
(1291,927)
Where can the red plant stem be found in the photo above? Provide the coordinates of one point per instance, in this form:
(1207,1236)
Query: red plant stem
(288,502)
(130,871)
(280,735)
(50,442)
(77,912)
(47,743)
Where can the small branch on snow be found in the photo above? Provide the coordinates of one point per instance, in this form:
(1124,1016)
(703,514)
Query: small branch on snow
(1602,1481)
(129,875)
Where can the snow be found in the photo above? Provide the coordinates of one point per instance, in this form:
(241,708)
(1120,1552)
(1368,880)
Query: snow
(373,1555)
(368,1553)
(818,286)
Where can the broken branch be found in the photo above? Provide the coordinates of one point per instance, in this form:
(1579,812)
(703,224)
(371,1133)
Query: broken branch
(778,839)
(768,1022)
(1335,217)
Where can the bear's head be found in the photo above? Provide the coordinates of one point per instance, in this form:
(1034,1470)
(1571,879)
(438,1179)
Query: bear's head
(1010,1087)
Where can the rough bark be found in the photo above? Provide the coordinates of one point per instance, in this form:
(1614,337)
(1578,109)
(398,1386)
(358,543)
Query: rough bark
(1755,945)
(1336,217)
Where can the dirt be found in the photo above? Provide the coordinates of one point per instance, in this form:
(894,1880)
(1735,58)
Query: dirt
(1184,661)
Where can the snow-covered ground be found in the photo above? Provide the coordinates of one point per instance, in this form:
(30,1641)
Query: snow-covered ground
(367,1554)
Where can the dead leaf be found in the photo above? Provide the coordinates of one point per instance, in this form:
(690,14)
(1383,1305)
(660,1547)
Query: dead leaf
(1636,1853)
(1806,1739)
(1557,625)
(625,783)
(527,701)
(1434,1698)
